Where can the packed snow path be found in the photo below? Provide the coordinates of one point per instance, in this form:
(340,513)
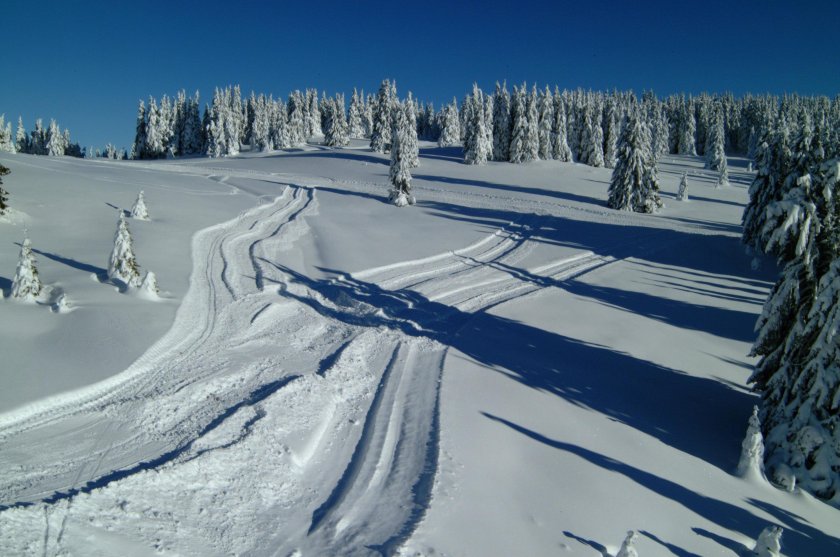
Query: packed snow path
(325,392)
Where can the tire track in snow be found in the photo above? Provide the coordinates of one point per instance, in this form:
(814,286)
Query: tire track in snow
(191,354)
(373,500)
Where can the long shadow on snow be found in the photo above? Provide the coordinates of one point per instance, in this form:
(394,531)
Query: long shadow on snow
(667,404)
(254,397)
(566,196)
(339,154)
(705,253)
(799,539)
(99,271)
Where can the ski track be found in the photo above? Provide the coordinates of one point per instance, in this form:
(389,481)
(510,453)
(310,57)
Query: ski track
(328,389)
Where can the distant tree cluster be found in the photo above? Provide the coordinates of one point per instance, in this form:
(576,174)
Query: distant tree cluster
(40,141)
(793,215)
(169,128)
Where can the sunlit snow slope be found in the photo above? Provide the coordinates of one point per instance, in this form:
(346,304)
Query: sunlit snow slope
(508,368)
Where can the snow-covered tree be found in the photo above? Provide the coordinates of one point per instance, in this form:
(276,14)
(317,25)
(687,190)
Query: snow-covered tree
(723,174)
(798,374)
(26,285)
(532,135)
(751,463)
(682,192)
(546,122)
(628,546)
(55,143)
(634,186)
(687,132)
(122,265)
(559,142)
(519,132)
(150,285)
(356,128)
(7,140)
(4,195)
(611,131)
(335,127)
(715,154)
(400,170)
(769,542)
(477,149)
(764,190)
(591,142)
(411,147)
(21,139)
(139,210)
(313,113)
(501,123)
(450,133)
(380,138)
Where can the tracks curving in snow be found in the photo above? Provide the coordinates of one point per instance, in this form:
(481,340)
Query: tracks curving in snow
(325,392)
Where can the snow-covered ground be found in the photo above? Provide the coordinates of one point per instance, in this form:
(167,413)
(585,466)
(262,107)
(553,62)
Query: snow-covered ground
(507,368)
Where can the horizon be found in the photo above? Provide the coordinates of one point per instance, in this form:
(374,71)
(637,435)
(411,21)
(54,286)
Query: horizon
(88,73)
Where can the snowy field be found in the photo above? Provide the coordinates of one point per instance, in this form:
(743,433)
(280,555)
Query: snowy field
(507,368)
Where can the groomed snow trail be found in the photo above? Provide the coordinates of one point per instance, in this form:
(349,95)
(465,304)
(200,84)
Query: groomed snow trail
(293,415)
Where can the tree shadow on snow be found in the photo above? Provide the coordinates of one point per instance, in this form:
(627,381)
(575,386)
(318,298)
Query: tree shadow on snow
(566,196)
(340,154)
(799,538)
(98,271)
(624,388)
(713,254)
(453,154)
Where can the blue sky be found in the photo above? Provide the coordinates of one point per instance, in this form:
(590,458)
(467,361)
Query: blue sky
(87,63)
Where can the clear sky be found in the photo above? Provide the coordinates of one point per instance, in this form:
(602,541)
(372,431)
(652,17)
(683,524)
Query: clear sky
(86,63)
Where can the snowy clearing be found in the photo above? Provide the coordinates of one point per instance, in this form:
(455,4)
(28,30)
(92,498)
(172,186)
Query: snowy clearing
(507,368)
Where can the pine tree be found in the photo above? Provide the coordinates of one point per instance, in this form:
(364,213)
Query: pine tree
(140,131)
(150,285)
(592,151)
(682,193)
(411,147)
(532,135)
(27,284)
(519,132)
(476,147)
(765,189)
(559,142)
(355,119)
(139,210)
(798,374)
(634,186)
(122,265)
(546,121)
(715,153)
(687,131)
(154,132)
(4,195)
(7,141)
(21,139)
(380,138)
(628,546)
(400,172)
(501,123)
(610,119)
(280,126)
(751,463)
(769,542)
(723,174)
(450,133)
(55,143)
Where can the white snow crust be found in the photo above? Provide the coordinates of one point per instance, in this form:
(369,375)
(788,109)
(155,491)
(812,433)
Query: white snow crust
(507,368)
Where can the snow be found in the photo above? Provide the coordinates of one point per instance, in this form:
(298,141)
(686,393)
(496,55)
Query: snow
(506,368)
